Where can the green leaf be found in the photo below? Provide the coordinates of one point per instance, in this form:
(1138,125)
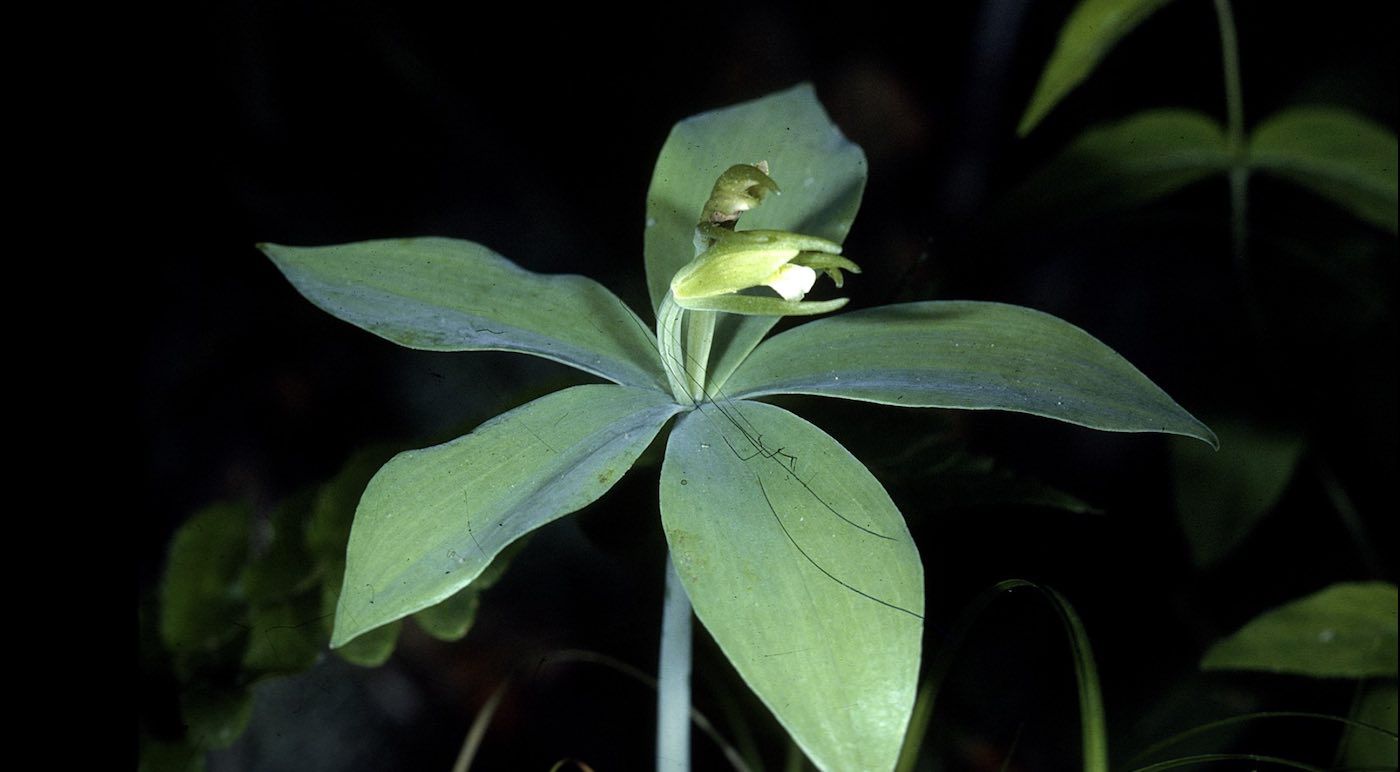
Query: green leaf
(442,294)
(285,567)
(1365,748)
(803,571)
(1221,496)
(431,520)
(215,717)
(820,172)
(1122,165)
(158,756)
(1335,153)
(1090,32)
(202,605)
(451,619)
(286,636)
(374,647)
(964,354)
(1345,631)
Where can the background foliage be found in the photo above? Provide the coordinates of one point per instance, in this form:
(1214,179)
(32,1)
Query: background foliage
(535,135)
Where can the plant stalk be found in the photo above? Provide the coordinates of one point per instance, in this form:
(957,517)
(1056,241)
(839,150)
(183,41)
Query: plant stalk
(1239,155)
(673,682)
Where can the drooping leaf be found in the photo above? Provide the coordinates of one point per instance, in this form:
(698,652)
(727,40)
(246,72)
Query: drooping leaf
(431,520)
(374,647)
(327,535)
(802,569)
(1221,496)
(1347,630)
(820,172)
(1368,749)
(1093,28)
(964,354)
(452,618)
(202,604)
(1123,165)
(1335,153)
(443,294)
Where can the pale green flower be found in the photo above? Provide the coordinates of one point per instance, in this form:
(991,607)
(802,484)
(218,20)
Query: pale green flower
(730,262)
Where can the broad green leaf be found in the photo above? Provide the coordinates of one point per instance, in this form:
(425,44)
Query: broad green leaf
(1368,749)
(451,619)
(1335,153)
(1345,631)
(431,520)
(820,172)
(202,604)
(1090,32)
(964,354)
(442,294)
(1221,496)
(803,571)
(1125,164)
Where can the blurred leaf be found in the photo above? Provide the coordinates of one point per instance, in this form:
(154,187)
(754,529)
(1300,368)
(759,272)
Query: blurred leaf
(1093,28)
(440,294)
(805,574)
(1364,749)
(1123,165)
(1221,496)
(451,619)
(333,511)
(374,647)
(964,354)
(202,604)
(286,636)
(969,481)
(215,716)
(157,756)
(821,173)
(1345,631)
(1335,153)
(285,567)
(431,520)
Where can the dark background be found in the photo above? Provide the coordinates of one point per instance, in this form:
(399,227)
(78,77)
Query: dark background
(533,130)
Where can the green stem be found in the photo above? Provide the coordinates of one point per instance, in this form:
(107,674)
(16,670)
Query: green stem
(1239,154)
(670,319)
(699,334)
(673,683)
(1230,49)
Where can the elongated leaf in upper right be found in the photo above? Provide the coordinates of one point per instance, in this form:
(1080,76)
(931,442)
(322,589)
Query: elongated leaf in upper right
(1124,164)
(964,354)
(452,295)
(1335,153)
(1090,32)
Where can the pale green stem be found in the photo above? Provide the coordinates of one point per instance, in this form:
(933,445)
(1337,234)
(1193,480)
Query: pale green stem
(670,319)
(1239,155)
(699,334)
(673,683)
